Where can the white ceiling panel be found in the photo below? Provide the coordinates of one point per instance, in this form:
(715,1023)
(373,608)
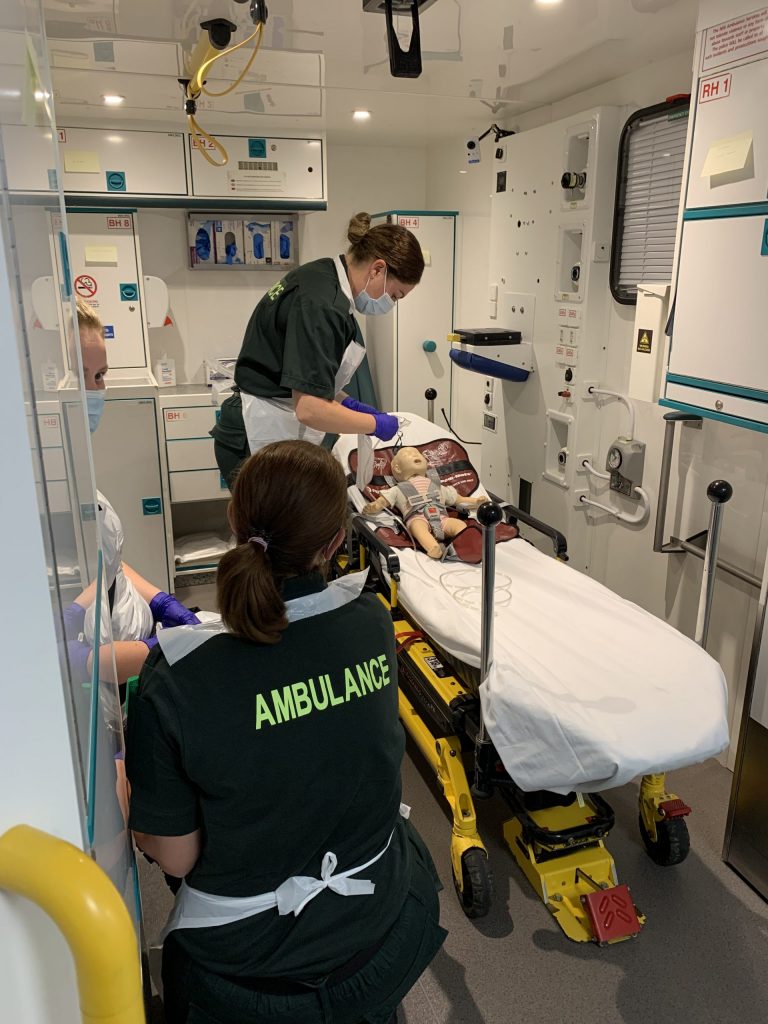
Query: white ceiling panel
(483,60)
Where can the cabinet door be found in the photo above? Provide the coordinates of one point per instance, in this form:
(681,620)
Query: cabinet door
(424,316)
(127,462)
(719,326)
(105,272)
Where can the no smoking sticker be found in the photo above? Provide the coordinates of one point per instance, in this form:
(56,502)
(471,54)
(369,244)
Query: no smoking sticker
(85,286)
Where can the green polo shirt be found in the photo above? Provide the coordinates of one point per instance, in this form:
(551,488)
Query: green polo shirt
(297,335)
(279,754)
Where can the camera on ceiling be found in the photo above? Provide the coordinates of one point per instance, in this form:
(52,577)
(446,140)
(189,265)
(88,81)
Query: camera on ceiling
(473,150)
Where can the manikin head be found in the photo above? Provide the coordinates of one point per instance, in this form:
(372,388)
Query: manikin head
(407,463)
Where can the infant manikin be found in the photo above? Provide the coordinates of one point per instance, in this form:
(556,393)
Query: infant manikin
(422,502)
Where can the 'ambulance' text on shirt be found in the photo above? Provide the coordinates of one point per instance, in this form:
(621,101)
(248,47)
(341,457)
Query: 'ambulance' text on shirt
(298,699)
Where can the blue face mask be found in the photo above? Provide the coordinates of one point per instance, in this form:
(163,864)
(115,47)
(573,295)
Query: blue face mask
(95,403)
(374,307)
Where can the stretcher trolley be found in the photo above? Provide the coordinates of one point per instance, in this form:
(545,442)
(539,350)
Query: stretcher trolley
(550,725)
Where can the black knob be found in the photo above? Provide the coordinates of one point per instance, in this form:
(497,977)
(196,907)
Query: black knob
(719,491)
(489,514)
(573,179)
(568,375)
(430,394)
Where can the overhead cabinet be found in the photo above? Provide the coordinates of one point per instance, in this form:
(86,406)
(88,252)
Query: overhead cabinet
(259,168)
(93,162)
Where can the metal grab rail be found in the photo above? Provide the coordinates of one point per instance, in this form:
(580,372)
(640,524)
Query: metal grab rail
(719,492)
(76,894)
(675,545)
(489,515)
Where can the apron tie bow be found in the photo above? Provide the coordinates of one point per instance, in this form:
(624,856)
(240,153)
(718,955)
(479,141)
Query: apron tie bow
(296,892)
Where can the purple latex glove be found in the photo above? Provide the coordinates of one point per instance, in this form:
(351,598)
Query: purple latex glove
(78,660)
(386,426)
(355,406)
(151,641)
(74,621)
(170,612)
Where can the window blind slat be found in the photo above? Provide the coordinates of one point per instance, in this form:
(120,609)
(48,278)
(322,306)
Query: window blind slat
(654,177)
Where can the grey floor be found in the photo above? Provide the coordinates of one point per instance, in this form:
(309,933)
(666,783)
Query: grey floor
(702,957)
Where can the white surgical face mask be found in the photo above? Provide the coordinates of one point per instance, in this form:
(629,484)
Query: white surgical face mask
(95,403)
(374,307)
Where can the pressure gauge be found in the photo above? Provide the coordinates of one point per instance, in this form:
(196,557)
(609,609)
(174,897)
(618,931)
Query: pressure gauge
(614,459)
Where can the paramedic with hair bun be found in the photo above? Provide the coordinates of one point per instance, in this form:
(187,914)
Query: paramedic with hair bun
(264,756)
(303,345)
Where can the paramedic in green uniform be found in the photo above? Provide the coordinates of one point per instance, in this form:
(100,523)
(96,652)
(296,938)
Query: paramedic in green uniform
(264,758)
(303,345)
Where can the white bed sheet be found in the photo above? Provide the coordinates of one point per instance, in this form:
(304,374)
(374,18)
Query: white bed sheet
(586,690)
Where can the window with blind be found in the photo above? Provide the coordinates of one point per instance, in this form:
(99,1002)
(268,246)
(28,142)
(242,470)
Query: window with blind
(648,186)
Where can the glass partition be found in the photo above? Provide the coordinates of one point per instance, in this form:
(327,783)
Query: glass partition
(33,225)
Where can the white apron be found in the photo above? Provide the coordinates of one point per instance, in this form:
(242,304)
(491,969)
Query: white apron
(273,419)
(131,615)
(196,909)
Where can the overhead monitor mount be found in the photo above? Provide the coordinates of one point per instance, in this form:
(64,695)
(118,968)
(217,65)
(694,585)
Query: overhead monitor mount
(402,63)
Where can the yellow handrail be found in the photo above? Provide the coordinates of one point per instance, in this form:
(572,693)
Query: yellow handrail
(77,895)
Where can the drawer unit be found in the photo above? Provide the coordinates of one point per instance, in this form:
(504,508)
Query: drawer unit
(53,464)
(58,496)
(190,453)
(716,404)
(193,421)
(198,485)
(49,427)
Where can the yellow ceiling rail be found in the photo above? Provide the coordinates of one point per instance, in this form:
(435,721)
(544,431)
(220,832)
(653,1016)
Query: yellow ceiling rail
(78,896)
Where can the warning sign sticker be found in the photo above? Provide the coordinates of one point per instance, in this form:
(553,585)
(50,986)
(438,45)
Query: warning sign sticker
(85,286)
(734,40)
(644,341)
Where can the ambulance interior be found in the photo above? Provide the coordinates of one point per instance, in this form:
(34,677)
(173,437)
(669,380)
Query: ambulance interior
(587,178)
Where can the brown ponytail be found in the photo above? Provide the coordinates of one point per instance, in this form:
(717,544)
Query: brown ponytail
(398,247)
(291,495)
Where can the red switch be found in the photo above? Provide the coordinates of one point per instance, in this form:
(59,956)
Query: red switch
(564,394)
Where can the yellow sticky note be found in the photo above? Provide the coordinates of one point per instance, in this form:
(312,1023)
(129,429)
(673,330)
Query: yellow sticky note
(726,155)
(81,161)
(427,257)
(104,254)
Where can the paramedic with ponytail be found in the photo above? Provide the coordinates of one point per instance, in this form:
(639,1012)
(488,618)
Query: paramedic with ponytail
(302,346)
(264,757)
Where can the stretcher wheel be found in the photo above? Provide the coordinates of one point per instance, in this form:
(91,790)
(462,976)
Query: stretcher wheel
(672,841)
(476,891)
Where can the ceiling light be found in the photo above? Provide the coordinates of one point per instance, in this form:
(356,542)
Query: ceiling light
(463,172)
(10,94)
(112,100)
(114,138)
(548,3)
(361,115)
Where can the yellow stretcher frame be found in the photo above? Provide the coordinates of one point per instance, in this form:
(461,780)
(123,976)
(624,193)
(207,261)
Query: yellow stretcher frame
(571,879)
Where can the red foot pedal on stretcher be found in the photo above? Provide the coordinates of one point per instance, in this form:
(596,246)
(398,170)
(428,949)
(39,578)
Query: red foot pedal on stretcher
(612,914)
